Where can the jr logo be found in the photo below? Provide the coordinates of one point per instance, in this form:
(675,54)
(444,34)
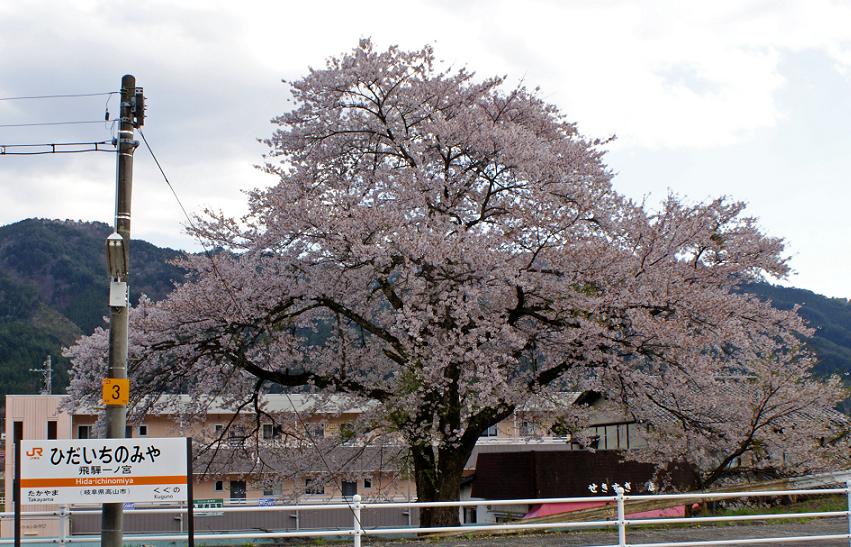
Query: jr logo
(35,452)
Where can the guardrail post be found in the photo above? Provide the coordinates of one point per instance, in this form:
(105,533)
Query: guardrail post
(356,514)
(621,516)
(64,524)
(848,495)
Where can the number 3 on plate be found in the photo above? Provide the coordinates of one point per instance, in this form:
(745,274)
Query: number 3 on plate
(116,391)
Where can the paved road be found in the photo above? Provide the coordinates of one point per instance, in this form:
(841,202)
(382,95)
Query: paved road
(635,536)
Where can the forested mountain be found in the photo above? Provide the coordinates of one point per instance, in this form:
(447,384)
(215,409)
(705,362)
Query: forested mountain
(53,288)
(831,317)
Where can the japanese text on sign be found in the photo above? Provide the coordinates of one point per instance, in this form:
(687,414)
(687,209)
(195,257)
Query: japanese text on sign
(103,455)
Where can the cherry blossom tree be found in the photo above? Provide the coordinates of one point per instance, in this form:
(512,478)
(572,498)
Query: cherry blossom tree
(765,417)
(448,247)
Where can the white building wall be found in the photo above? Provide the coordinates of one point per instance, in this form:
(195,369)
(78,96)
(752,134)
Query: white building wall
(34,412)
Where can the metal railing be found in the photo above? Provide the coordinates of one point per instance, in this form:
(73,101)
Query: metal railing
(620,524)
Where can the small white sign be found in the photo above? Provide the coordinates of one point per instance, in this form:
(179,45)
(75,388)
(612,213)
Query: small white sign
(103,470)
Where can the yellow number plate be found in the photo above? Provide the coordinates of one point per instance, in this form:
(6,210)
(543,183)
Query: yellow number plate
(116,391)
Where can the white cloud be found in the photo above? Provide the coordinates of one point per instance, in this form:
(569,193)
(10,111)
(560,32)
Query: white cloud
(672,79)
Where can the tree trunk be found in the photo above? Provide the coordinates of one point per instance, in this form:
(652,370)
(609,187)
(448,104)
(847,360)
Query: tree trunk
(438,478)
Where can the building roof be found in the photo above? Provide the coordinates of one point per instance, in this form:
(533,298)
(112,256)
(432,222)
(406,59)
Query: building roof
(337,459)
(170,404)
(314,403)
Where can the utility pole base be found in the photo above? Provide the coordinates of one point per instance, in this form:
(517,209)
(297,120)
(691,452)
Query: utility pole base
(112,525)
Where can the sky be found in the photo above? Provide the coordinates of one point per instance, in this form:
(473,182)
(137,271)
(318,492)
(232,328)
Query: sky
(747,99)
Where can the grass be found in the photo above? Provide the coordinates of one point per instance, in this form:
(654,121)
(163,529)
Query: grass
(818,504)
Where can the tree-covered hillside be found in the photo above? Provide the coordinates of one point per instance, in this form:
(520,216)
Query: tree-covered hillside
(831,317)
(53,288)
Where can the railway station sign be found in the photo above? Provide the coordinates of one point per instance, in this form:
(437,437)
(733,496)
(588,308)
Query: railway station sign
(103,470)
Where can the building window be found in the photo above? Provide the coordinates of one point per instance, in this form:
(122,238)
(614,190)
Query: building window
(272,489)
(237,490)
(367,483)
(220,486)
(219,428)
(492,431)
(143,430)
(84,432)
(314,486)
(622,436)
(316,430)
(347,432)
(634,436)
(349,488)
(594,442)
(272,431)
(236,437)
(51,429)
(128,431)
(528,429)
(612,437)
(608,437)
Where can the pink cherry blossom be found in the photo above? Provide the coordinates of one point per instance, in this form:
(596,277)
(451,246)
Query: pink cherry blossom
(448,247)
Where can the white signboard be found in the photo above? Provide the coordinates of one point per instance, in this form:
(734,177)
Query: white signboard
(103,470)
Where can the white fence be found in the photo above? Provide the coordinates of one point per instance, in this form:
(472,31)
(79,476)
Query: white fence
(620,525)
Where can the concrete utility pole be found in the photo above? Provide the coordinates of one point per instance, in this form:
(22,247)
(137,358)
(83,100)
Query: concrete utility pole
(116,386)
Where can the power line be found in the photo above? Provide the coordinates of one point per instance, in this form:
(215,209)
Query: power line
(53,123)
(43,152)
(207,252)
(32,144)
(168,182)
(236,301)
(61,96)
(54,148)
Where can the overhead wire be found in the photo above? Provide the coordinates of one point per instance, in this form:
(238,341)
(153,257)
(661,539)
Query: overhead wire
(44,152)
(173,191)
(31,144)
(55,148)
(108,123)
(59,96)
(81,122)
(236,301)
